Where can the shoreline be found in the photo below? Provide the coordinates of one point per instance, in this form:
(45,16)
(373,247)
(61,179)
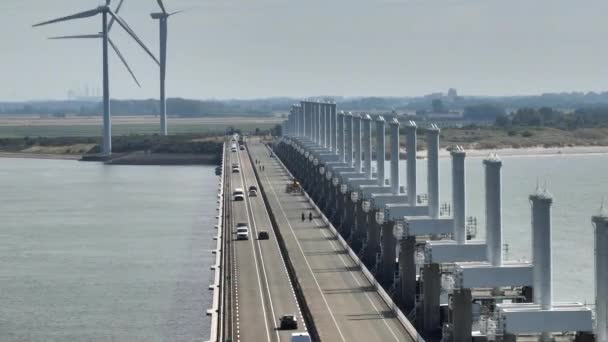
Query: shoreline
(26,155)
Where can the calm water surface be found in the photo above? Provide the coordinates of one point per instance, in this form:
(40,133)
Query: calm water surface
(104,253)
(121,253)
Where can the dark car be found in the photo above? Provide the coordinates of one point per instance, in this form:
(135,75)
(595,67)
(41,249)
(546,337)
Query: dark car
(263,235)
(288,322)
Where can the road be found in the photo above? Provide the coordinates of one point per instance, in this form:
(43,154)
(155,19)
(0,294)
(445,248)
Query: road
(344,305)
(261,290)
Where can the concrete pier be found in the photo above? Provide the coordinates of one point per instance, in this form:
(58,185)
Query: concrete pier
(600,223)
(411,144)
(407,274)
(386,273)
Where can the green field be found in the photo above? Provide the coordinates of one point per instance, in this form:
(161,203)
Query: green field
(123,129)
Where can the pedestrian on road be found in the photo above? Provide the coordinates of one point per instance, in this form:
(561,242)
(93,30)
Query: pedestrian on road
(263,167)
(303,217)
(310,216)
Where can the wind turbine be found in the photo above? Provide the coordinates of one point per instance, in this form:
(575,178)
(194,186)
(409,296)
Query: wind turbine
(162,19)
(105,12)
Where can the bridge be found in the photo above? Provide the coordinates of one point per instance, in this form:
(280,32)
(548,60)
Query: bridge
(356,256)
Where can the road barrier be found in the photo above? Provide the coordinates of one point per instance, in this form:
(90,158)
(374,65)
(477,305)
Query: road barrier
(217,310)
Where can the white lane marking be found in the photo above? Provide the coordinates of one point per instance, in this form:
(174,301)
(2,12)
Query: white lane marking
(305,259)
(252,224)
(282,260)
(332,244)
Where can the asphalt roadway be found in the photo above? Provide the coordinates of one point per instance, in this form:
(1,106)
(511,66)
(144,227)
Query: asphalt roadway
(344,304)
(261,288)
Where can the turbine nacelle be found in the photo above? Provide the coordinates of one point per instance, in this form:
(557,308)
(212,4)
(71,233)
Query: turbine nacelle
(159,15)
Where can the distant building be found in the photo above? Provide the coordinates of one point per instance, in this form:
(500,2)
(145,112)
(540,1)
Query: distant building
(452,93)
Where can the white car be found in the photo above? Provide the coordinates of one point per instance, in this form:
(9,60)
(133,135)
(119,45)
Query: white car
(242,231)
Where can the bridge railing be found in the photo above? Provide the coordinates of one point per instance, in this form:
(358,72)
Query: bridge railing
(370,277)
(216,310)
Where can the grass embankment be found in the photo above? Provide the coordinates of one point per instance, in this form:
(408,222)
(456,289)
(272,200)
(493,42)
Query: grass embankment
(130,149)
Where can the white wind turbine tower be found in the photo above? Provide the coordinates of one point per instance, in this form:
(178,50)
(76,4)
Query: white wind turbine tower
(105,12)
(162,19)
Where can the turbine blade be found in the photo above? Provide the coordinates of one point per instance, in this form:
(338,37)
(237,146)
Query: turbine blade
(117,10)
(80,15)
(177,12)
(124,61)
(78,36)
(162,7)
(126,27)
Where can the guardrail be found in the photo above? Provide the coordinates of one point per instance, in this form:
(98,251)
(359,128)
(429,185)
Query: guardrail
(370,277)
(216,310)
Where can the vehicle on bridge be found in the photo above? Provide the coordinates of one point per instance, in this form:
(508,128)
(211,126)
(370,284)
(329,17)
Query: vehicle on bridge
(253,191)
(293,187)
(263,235)
(300,337)
(287,322)
(238,194)
(242,231)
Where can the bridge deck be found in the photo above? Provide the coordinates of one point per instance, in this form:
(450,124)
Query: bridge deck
(260,287)
(344,304)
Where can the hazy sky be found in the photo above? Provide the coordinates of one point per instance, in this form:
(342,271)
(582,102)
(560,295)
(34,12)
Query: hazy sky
(262,48)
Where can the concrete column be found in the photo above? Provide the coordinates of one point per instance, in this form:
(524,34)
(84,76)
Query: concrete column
(309,120)
(431,278)
(361,227)
(341,137)
(541,249)
(601,276)
(304,119)
(407,273)
(394,126)
(387,262)
(432,136)
(322,126)
(411,143)
(329,127)
(296,114)
(493,210)
(315,122)
(462,315)
(367,145)
(301,120)
(373,240)
(357,141)
(334,137)
(380,149)
(541,252)
(348,217)
(348,145)
(458,195)
(318,123)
